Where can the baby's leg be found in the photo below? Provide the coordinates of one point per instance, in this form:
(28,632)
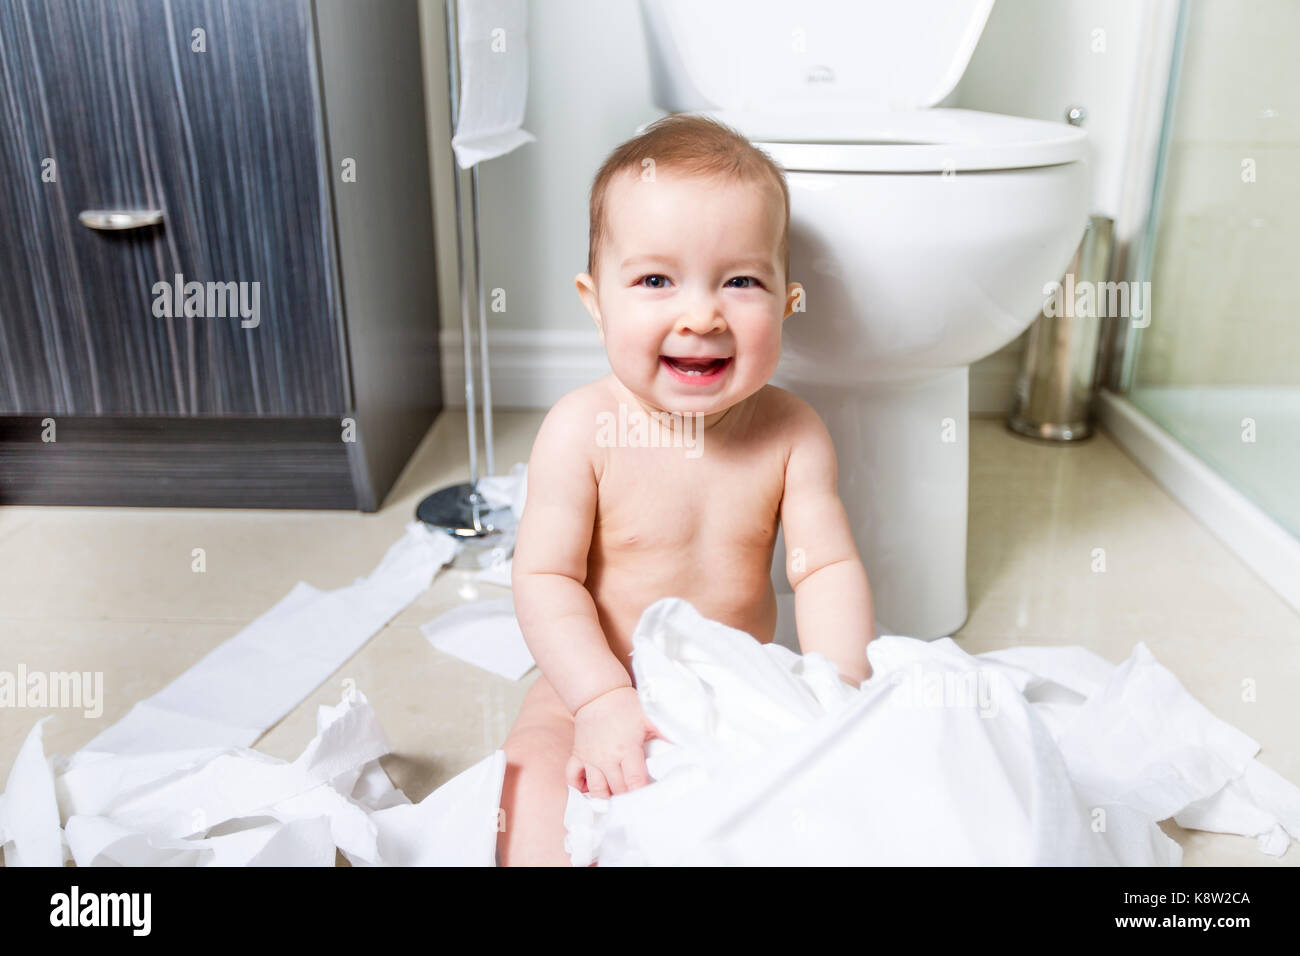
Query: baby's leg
(535,792)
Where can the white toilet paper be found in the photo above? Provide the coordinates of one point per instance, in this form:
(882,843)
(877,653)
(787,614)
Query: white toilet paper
(239,690)
(493,44)
(485,634)
(1028,756)
(174,783)
(231,806)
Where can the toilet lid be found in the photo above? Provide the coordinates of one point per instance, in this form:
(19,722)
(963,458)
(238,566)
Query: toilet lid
(783,56)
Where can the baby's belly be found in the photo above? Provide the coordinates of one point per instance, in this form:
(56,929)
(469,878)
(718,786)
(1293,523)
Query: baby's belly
(742,598)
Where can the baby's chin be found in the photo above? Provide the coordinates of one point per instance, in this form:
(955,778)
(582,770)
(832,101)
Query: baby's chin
(655,398)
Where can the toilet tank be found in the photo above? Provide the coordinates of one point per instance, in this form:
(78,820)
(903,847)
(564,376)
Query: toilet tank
(758,55)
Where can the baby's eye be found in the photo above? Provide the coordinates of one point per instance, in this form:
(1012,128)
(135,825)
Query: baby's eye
(661,283)
(750,280)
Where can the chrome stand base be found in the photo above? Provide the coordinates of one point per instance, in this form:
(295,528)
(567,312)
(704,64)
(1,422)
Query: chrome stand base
(486,534)
(1050,431)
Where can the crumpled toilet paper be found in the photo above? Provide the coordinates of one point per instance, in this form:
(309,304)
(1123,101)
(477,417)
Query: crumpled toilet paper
(231,806)
(502,491)
(174,782)
(507,491)
(1027,756)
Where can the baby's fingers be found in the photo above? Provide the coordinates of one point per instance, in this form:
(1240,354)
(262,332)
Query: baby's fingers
(574,774)
(635,773)
(596,785)
(614,778)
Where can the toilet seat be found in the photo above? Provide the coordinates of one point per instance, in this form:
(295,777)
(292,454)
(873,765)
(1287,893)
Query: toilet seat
(829,86)
(912,141)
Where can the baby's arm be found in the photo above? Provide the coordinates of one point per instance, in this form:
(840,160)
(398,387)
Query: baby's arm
(555,610)
(833,609)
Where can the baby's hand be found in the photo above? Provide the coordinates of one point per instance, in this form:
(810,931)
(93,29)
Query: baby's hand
(609,735)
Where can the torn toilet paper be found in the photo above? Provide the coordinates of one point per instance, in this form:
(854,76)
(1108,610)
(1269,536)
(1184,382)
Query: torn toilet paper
(507,491)
(503,491)
(483,633)
(231,806)
(244,686)
(1028,756)
(177,767)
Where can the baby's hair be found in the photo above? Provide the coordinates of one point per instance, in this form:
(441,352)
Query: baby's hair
(691,144)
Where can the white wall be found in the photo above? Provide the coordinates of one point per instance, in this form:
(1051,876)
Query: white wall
(590,89)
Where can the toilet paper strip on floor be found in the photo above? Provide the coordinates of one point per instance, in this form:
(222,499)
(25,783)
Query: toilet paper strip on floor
(1028,755)
(243,687)
(174,783)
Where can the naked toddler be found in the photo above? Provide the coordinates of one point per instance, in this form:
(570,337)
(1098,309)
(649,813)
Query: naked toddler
(687,282)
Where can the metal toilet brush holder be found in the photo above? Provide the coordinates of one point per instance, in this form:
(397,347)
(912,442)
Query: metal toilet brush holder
(1057,381)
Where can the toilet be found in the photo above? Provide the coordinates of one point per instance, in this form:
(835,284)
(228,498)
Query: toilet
(923,237)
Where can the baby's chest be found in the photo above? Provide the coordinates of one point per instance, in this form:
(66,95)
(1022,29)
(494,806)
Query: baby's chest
(649,503)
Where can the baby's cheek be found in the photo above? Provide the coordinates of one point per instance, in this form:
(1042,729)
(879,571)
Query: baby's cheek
(765,351)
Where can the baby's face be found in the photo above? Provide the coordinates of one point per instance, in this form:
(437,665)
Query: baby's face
(690,272)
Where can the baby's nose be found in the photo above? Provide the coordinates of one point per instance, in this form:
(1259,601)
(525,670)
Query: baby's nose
(702,320)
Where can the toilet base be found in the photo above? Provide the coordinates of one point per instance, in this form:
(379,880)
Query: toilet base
(903,449)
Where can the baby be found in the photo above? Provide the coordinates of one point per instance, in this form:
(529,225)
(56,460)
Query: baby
(669,477)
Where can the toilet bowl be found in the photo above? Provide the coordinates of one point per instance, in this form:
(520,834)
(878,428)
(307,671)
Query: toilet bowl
(923,238)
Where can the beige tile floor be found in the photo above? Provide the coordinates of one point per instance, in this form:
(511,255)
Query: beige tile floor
(112,590)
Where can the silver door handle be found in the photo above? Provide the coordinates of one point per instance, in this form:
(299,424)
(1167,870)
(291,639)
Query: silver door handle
(115,219)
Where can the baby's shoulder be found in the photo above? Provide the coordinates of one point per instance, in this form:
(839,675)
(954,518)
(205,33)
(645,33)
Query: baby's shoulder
(569,426)
(796,428)
(786,410)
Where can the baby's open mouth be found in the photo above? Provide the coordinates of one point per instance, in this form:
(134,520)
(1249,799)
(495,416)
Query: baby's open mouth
(688,365)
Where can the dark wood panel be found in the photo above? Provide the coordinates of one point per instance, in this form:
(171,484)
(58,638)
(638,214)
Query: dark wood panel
(228,143)
(373,82)
(176,462)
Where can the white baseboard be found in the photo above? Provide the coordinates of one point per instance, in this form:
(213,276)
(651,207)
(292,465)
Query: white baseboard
(528,369)
(534,369)
(1264,545)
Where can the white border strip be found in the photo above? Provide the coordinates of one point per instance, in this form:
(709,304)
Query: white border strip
(1264,545)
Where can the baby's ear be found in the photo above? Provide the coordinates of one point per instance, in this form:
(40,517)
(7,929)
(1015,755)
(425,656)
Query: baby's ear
(586,286)
(794,299)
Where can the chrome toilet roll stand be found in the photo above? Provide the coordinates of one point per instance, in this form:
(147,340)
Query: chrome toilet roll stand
(460,510)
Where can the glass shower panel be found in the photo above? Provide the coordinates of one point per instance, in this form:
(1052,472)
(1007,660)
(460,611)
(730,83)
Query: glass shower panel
(1219,365)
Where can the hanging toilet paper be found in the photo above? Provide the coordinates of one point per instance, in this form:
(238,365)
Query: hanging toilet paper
(493,45)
